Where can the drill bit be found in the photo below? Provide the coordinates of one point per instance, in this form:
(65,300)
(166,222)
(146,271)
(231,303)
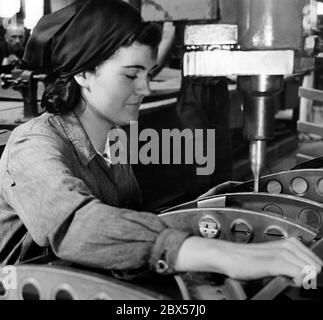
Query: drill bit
(257,159)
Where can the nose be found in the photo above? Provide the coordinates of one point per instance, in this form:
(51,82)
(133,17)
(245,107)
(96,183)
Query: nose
(16,40)
(143,87)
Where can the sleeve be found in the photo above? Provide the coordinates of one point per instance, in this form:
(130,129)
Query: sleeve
(59,211)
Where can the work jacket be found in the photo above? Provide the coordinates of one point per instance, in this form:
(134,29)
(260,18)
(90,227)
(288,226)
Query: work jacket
(58,194)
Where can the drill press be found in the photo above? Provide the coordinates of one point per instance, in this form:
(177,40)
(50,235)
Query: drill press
(259,41)
(265,49)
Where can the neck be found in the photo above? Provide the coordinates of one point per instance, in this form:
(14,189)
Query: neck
(96,127)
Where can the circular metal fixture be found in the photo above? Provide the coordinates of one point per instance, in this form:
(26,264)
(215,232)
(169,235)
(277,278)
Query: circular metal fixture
(319,187)
(310,217)
(274,209)
(30,290)
(274,187)
(209,227)
(241,231)
(299,185)
(275,233)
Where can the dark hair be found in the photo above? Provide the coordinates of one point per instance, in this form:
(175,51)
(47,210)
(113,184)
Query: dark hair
(62,95)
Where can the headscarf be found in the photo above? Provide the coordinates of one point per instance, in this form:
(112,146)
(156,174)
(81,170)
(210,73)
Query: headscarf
(81,35)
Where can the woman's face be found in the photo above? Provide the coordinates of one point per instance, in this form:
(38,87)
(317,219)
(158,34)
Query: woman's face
(115,90)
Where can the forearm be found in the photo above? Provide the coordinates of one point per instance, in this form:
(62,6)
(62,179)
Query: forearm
(113,238)
(203,255)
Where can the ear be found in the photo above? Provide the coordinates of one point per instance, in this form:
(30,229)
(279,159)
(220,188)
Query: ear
(82,79)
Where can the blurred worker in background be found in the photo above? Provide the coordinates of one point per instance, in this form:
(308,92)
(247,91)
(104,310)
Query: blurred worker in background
(12,48)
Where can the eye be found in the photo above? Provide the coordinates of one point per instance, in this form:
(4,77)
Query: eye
(131,77)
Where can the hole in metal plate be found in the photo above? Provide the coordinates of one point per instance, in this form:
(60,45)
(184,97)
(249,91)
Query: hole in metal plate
(310,217)
(274,209)
(30,292)
(63,294)
(241,231)
(274,233)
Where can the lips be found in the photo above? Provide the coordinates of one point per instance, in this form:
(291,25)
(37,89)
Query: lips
(134,104)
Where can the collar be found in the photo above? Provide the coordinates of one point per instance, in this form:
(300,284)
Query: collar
(78,137)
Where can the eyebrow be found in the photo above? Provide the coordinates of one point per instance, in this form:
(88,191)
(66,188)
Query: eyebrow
(138,66)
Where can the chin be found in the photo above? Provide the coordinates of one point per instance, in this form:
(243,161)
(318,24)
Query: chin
(134,115)
(126,122)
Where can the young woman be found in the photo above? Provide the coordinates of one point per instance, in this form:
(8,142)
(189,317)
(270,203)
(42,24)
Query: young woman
(60,194)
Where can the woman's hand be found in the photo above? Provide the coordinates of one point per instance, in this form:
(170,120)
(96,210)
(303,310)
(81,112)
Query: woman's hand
(221,188)
(247,261)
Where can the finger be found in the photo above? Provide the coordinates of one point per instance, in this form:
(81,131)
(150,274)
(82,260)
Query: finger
(292,267)
(301,264)
(290,270)
(282,251)
(297,248)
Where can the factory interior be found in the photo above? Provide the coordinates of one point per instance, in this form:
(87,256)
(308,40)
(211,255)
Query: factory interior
(250,71)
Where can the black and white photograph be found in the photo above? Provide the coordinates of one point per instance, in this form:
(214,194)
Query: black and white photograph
(164,155)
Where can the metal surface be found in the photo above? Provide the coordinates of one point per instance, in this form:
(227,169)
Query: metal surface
(303,211)
(271,24)
(306,183)
(36,282)
(263,226)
